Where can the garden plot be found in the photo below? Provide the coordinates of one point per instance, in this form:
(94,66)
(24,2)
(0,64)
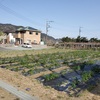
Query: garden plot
(64,71)
(72,82)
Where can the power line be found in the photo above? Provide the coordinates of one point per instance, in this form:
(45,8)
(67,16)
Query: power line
(16,14)
(12,12)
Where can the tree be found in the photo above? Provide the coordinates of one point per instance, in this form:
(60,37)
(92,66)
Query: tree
(84,39)
(94,40)
(78,39)
(81,39)
(63,39)
(67,39)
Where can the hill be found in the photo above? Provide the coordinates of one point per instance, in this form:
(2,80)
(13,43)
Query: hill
(12,28)
(8,27)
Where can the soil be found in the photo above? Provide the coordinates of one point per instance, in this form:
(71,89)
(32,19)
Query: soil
(37,89)
(5,95)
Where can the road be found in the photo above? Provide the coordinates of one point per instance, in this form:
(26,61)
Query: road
(13,47)
(13,90)
(3,49)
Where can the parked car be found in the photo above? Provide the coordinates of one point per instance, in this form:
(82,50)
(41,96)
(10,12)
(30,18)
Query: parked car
(26,45)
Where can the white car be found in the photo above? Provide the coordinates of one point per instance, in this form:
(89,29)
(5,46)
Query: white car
(26,45)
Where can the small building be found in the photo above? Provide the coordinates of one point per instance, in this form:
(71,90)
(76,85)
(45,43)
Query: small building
(27,35)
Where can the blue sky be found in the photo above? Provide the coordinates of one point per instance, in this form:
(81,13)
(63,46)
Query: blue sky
(68,16)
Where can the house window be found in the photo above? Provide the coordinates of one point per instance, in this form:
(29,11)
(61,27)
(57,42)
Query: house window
(30,33)
(36,33)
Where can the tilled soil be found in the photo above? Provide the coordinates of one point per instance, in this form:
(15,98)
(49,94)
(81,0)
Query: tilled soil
(35,88)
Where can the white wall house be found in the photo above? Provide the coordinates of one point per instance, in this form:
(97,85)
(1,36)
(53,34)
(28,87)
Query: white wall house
(10,38)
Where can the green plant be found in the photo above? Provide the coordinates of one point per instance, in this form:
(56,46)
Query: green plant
(73,84)
(30,72)
(63,72)
(51,76)
(76,68)
(86,76)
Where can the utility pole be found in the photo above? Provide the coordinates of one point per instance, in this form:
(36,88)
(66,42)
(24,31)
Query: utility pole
(47,29)
(80,31)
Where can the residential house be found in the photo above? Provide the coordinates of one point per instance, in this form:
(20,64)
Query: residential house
(27,35)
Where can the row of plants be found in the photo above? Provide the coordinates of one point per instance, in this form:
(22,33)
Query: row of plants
(87,75)
(57,55)
(50,61)
(51,76)
(87,80)
(78,62)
